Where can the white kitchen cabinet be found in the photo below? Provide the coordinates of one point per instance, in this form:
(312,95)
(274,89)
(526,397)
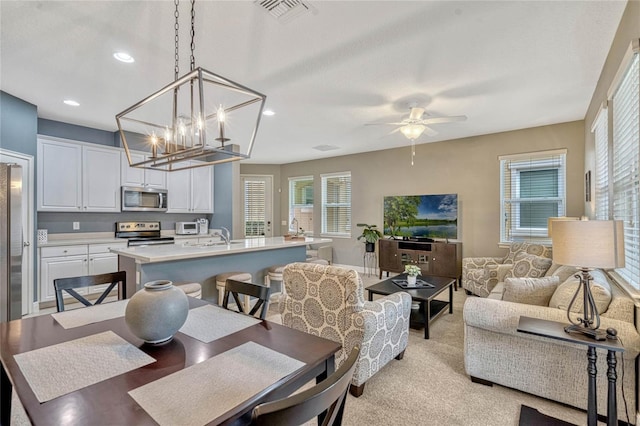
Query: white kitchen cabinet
(59,176)
(100,179)
(191,190)
(134,176)
(60,262)
(102,261)
(74,177)
(74,261)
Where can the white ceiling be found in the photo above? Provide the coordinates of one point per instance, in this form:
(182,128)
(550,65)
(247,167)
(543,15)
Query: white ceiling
(505,64)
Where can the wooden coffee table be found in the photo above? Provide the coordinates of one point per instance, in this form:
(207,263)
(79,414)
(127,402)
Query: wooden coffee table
(430,309)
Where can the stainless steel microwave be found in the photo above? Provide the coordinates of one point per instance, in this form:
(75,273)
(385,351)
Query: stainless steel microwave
(142,199)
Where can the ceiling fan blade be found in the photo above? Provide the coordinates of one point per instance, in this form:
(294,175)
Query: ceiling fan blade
(416,113)
(429,131)
(377,124)
(449,119)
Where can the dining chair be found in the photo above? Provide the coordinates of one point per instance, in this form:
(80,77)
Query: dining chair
(329,395)
(69,284)
(237,288)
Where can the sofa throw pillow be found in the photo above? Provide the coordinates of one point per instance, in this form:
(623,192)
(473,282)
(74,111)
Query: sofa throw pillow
(514,250)
(564,272)
(600,289)
(529,265)
(530,291)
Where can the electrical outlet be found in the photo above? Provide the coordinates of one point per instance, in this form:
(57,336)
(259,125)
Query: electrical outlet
(76,226)
(283,223)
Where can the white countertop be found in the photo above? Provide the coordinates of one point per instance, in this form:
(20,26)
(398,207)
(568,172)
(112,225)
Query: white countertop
(170,252)
(71,239)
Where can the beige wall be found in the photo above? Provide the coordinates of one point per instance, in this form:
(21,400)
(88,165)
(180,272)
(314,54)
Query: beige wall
(628,30)
(468,167)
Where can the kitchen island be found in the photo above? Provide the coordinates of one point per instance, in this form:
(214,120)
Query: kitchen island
(202,262)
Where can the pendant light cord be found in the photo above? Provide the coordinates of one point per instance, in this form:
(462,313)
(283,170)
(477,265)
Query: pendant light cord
(193,34)
(176,26)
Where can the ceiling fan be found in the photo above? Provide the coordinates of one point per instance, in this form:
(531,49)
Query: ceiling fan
(417,123)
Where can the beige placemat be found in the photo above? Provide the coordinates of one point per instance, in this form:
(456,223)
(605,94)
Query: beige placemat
(66,367)
(89,315)
(205,391)
(208,323)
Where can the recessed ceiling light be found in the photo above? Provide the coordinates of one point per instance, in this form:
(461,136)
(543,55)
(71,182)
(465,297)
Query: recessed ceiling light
(268,112)
(124,57)
(71,102)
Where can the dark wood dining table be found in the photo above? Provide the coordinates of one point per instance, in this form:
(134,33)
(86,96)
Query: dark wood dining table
(108,401)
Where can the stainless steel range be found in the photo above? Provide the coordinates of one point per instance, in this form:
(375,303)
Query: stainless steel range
(141,233)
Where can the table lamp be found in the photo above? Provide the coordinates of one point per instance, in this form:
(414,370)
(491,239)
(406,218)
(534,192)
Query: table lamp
(588,245)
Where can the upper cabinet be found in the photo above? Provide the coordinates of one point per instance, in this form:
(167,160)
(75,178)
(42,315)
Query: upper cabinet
(133,176)
(77,177)
(85,177)
(191,190)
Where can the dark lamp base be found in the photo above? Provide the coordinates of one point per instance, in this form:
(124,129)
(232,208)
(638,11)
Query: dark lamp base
(589,332)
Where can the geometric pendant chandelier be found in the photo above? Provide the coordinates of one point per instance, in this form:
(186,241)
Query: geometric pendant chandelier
(200,116)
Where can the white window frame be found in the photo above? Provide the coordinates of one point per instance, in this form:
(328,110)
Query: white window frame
(518,163)
(325,205)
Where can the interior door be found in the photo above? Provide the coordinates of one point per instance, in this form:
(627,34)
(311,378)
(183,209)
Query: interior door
(257,211)
(26,161)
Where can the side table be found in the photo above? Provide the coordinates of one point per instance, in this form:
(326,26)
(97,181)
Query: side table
(370,259)
(555,330)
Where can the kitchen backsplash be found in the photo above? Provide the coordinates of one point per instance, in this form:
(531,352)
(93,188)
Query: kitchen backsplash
(62,223)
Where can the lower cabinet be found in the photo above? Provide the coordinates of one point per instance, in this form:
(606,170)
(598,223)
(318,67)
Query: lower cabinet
(73,261)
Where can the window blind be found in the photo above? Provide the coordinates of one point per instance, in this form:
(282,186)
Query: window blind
(336,204)
(600,131)
(254,207)
(532,189)
(626,160)
(301,203)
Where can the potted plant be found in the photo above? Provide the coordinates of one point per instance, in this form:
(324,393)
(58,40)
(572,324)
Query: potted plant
(371,234)
(412,272)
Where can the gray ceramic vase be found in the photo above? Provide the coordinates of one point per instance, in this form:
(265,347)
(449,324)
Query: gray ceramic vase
(157,312)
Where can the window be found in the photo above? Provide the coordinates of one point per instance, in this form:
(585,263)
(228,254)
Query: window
(600,131)
(256,208)
(625,102)
(532,189)
(301,203)
(336,204)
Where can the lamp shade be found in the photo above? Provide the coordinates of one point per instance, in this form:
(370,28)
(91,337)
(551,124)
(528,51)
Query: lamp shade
(589,244)
(555,219)
(412,131)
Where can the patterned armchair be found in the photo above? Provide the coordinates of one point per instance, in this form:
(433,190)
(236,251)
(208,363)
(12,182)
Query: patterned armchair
(328,301)
(481,274)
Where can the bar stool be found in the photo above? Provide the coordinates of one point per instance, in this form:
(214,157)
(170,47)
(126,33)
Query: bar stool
(274,273)
(221,281)
(318,261)
(191,289)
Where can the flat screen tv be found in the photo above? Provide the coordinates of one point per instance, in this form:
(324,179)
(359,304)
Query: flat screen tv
(427,216)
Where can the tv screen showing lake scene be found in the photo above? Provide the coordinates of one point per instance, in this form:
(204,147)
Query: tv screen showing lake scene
(431,216)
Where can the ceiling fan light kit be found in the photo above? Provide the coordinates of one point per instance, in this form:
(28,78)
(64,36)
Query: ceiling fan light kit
(175,124)
(415,125)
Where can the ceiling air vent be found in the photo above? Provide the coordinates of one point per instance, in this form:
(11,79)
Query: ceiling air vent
(326,147)
(285,10)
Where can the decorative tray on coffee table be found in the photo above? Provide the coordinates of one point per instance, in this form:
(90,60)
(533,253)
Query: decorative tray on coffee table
(419,283)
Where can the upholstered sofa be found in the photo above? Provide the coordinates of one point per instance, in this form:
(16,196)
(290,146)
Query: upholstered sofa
(328,301)
(495,352)
(481,274)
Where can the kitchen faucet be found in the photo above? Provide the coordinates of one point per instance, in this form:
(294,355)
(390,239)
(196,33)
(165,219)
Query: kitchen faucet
(225,235)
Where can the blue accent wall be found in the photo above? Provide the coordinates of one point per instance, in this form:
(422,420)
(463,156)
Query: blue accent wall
(223,196)
(59,129)
(18,125)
